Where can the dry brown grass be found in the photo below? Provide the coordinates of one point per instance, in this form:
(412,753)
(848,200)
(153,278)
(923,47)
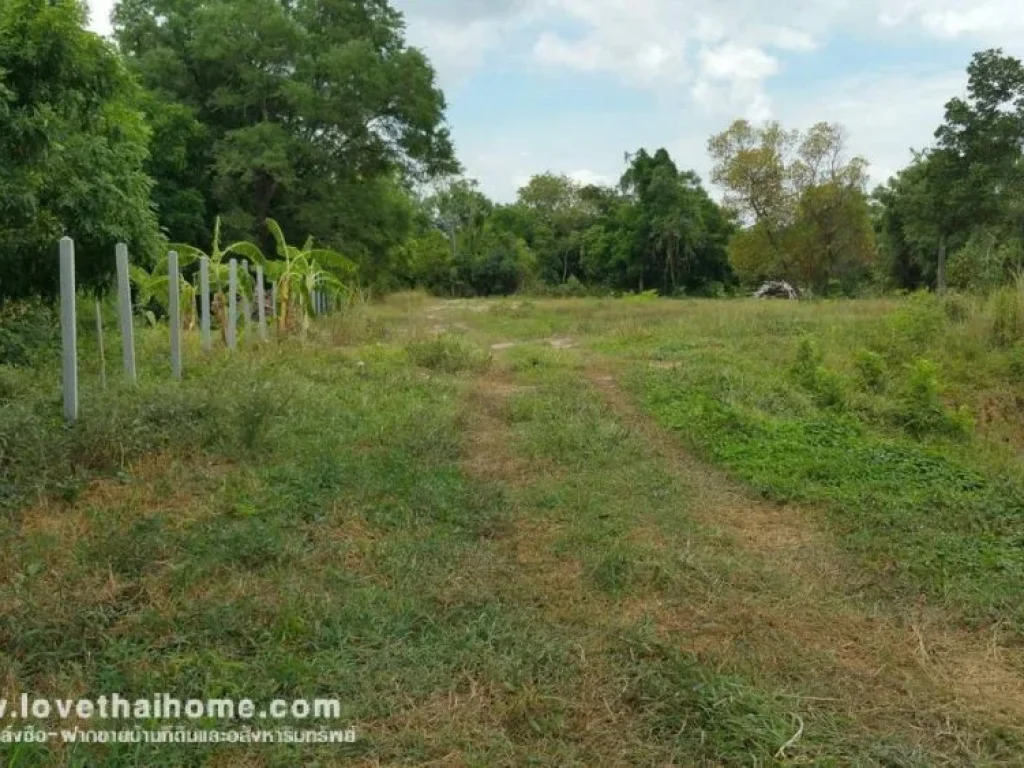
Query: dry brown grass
(880,665)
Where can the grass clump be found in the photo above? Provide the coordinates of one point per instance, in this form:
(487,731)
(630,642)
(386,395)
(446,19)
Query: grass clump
(919,408)
(1015,362)
(1007,318)
(871,373)
(828,386)
(448,353)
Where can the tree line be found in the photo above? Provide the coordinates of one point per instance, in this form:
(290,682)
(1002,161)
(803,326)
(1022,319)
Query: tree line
(317,114)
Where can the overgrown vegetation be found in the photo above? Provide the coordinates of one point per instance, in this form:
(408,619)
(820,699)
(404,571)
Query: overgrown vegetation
(585,528)
(493,554)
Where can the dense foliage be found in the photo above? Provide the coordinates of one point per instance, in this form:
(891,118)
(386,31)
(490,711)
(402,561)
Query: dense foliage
(955,215)
(317,114)
(659,229)
(72,146)
(302,111)
(803,201)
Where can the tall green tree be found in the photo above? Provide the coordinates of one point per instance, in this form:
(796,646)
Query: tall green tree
(970,182)
(554,205)
(301,110)
(73,143)
(679,234)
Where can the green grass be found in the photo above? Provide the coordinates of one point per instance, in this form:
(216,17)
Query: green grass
(488,562)
(911,489)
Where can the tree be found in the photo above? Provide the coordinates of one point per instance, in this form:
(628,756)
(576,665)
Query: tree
(680,234)
(555,206)
(802,200)
(73,143)
(303,111)
(970,182)
(752,165)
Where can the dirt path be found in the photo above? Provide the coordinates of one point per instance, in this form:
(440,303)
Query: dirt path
(916,676)
(897,662)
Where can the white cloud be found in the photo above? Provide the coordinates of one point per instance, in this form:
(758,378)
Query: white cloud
(998,22)
(737,62)
(586,177)
(457,49)
(706,61)
(458,35)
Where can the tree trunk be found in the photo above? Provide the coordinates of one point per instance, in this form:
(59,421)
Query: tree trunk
(940,279)
(673,254)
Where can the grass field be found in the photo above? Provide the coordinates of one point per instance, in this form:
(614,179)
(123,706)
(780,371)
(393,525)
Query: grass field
(586,532)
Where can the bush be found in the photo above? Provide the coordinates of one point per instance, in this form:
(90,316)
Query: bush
(985,262)
(956,308)
(28,329)
(870,371)
(918,323)
(715,289)
(808,360)
(1016,362)
(12,382)
(1005,309)
(828,386)
(920,410)
(448,353)
(640,298)
(571,288)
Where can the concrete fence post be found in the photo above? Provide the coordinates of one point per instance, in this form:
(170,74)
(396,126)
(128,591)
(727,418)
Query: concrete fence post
(99,342)
(246,306)
(204,301)
(174,312)
(124,307)
(232,304)
(261,303)
(68,329)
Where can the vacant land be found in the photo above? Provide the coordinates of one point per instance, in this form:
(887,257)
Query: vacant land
(588,532)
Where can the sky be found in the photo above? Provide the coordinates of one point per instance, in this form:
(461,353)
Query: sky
(570,86)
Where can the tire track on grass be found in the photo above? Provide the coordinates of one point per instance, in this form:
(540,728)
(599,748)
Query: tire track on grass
(892,665)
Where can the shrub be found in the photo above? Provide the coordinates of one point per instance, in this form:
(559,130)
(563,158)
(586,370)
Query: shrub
(870,368)
(920,410)
(919,322)
(571,288)
(808,360)
(713,289)
(28,329)
(956,308)
(640,298)
(448,354)
(12,382)
(1005,309)
(829,388)
(1016,361)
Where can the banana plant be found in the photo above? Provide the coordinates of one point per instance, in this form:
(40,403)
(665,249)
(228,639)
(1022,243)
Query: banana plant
(154,285)
(300,272)
(219,269)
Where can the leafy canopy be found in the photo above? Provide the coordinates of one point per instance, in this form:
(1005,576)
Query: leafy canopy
(303,111)
(73,143)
